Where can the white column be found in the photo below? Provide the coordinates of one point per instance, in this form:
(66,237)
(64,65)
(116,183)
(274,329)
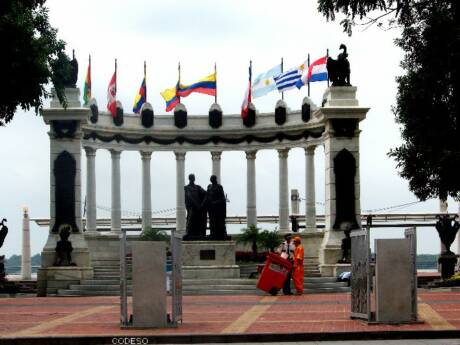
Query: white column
(283,190)
(310,199)
(91,213)
(216,155)
(443,208)
(251,205)
(180,194)
(26,265)
(116,193)
(146,191)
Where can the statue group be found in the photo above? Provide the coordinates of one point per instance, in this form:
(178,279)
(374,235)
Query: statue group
(199,204)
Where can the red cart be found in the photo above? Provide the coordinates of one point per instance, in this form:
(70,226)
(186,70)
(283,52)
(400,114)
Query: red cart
(274,274)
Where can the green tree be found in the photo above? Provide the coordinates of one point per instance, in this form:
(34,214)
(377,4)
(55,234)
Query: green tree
(31,57)
(428,100)
(270,239)
(250,235)
(153,234)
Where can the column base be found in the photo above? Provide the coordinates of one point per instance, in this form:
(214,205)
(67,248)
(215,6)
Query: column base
(50,279)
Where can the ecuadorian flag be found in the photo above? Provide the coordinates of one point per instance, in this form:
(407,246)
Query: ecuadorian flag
(206,85)
(141,97)
(171,98)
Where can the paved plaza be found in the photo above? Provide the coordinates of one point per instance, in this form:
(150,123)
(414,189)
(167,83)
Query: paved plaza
(212,319)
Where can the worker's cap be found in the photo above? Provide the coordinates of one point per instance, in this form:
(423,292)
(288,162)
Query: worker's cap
(297,239)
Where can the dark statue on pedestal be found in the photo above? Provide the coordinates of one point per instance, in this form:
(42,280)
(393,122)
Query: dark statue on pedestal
(196,212)
(339,70)
(72,81)
(3,233)
(64,247)
(216,204)
(346,248)
(447,227)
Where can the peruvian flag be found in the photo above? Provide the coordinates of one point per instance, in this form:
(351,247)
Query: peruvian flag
(247,95)
(112,95)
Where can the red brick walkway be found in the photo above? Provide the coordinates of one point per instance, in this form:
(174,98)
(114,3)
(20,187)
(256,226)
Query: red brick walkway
(325,313)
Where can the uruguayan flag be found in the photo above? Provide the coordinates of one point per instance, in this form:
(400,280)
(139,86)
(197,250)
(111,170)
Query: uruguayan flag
(264,82)
(288,79)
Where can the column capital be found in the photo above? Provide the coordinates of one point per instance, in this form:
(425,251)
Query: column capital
(251,154)
(180,156)
(215,155)
(115,153)
(146,155)
(310,150)
(283,153)
(90,151)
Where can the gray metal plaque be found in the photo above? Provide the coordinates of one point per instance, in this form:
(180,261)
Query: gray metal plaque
(411,234)
(360,277)
(176,289)
(123,281)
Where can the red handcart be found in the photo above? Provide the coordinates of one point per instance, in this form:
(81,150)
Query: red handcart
(274,274)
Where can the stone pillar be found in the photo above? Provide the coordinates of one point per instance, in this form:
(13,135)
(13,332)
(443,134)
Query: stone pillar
(116,191)
(146,191)
(180,194)
(310,199)
(26,264)
(251,204)
(443,208)
(283,190)
(91,212)
(216,155)
(341,115)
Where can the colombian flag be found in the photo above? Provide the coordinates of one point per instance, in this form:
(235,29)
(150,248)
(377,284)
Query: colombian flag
(141,97)
(87,86)
(171,98)
(206,85)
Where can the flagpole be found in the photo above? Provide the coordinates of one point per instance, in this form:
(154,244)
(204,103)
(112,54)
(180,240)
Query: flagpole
(308,63)
(282,70)
(250,80)
(327,57)
(145,80)
(115,76)
(215,72)
(178,83)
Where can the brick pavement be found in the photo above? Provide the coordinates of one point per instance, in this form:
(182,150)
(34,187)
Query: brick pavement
(318,314)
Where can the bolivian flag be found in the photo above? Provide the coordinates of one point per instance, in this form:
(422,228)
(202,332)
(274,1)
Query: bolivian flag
(206,85)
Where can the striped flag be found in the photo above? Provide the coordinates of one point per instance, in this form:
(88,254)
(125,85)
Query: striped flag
(87,86)
(248,95)
(287,80)
(112,93)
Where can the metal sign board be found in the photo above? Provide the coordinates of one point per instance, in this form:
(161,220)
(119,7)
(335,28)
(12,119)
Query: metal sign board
(411,234)
(176,289)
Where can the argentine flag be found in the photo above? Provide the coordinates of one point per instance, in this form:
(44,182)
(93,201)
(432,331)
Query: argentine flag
(264,82)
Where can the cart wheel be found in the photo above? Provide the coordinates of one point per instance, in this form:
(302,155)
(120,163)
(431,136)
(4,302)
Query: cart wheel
(273,291)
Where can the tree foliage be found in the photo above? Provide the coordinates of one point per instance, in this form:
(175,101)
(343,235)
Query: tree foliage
(31,56)
(153,234)
(427,104)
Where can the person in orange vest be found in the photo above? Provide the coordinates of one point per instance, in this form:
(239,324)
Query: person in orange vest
(298,271)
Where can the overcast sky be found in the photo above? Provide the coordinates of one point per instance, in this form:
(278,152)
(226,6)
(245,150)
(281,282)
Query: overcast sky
(199,33)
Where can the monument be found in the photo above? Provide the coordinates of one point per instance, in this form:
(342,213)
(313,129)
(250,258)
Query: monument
(216,204)
(196,211)
(447,227)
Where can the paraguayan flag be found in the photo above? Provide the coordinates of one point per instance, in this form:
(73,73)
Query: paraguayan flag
(264,82)
(287,80)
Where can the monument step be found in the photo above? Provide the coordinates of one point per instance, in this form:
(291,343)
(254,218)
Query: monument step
(102,281)
(319,280)
(219,281)
(92,287)
(210,288)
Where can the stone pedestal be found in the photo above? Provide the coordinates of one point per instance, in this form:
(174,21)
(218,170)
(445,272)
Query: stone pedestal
(209,259)
(52,278)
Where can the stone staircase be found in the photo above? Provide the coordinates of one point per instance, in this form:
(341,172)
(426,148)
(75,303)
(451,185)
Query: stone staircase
(106,282)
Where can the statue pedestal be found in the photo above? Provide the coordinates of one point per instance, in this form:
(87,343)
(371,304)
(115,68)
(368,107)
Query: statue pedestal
(209,259)
(50,279)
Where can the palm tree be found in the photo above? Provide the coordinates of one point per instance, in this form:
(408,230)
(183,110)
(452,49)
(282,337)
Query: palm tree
(270,239)
(250,235)
(153,234)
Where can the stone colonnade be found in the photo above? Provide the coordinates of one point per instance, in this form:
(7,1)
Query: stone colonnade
(251,204)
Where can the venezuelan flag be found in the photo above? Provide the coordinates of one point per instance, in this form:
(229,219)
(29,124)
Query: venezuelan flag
(206,85)
(141,97)
(171,98)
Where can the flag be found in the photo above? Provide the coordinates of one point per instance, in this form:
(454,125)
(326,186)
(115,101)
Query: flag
(317,71)
(206,85)
(247,96)
(141,97)
(287,80)
(171,98)
(264,82)
(87,86)
(112,95)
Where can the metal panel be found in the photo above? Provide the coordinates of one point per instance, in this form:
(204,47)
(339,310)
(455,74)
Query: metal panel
(360,275)
(123,281)
(176,244)
(411,234)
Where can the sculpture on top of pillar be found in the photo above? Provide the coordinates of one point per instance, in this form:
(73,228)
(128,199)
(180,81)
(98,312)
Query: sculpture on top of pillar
(64,247)
(196,212)
(339,70)
(447,227)
(216,204)
(3,233)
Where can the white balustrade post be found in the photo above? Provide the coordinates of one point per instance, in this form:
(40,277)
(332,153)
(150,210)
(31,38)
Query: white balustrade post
(26,264)
(116,192)
(180,194)
(310,199)
(216,155)
(146,191)
(283,190)
(251,205)
(91,212)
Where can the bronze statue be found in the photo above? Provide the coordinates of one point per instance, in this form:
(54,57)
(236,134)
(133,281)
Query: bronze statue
(64,248)
(72,82)
(216,204)
(447,228)
(196,212)
(339,70)
(3,231)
